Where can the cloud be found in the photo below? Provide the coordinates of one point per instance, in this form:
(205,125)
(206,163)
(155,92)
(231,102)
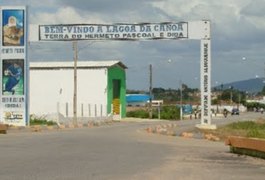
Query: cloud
(105,6)
(112,11)
(254,14)
(64,15)
(237,26)
(30,3)
(254,9)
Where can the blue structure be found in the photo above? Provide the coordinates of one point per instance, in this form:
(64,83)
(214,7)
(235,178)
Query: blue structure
(186,108)
(137,99)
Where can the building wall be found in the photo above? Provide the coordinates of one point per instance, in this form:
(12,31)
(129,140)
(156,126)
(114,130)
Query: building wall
(50,87)
(117,73)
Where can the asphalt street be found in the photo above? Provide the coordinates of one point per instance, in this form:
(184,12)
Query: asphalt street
(123,151)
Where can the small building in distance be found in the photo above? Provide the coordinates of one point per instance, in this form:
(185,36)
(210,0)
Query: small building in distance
(101,88)
(137,99)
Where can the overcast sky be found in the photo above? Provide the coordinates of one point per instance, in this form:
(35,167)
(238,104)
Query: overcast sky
(238,38)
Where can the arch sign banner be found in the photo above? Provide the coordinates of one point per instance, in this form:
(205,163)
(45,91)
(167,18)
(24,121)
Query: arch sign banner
(197,30)
(13,66)
(143,31)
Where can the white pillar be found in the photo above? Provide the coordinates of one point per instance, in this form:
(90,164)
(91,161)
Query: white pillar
(206,83)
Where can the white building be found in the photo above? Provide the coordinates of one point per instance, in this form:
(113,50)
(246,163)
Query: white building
(101,88)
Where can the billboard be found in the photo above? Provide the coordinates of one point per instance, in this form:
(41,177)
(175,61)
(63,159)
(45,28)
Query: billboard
(13,66)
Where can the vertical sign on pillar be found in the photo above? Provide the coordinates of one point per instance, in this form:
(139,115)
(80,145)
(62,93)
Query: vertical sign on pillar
(205,82)
(14,66)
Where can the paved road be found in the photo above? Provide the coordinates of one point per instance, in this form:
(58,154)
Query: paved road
(121,151)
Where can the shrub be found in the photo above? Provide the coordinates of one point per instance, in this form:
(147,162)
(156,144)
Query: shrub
(34,120)
(167,112)
(138,114)
(170,113)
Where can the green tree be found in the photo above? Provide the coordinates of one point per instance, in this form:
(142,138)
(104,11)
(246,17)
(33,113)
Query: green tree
(263,91)
(236,95)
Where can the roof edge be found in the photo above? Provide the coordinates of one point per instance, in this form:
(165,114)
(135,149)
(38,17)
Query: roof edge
(80,64)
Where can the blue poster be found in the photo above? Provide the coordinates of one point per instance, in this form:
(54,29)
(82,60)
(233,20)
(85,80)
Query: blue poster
(13,77)
(13,27)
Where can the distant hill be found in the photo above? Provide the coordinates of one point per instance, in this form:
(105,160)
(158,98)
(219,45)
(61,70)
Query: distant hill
(250,85)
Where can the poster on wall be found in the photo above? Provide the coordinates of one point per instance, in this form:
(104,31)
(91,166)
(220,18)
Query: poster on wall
(13,66)
(13,27)
(13,77)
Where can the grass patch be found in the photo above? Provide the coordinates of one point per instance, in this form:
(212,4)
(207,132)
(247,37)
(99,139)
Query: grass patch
(248,152)
(252,129)
(34,120)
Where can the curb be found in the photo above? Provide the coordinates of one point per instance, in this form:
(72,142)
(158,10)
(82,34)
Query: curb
(39,128)
(246,146)
(168,130)
(3,129)
(246,143)
(164,129)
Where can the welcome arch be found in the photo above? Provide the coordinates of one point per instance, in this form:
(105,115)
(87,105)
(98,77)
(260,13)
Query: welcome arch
(194,30)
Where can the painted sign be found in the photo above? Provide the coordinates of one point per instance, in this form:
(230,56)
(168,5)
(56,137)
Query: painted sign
(143,31)
(13,66)
(206,81)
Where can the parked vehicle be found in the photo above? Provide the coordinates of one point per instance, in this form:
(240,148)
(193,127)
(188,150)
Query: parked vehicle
(235,111)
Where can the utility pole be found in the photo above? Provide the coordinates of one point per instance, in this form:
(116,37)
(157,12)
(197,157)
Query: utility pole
(75,84)
(231,95)
(150,92)
(181,110)
(264,75)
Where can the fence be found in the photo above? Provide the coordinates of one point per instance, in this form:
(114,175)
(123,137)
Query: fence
(85,112)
